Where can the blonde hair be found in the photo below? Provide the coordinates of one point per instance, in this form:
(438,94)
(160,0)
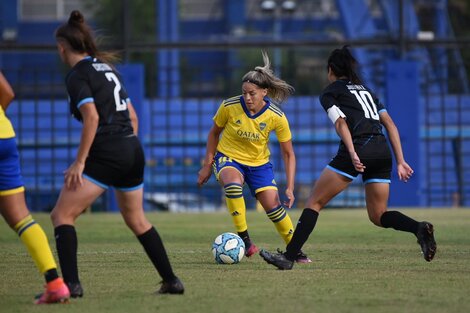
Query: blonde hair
(263,76)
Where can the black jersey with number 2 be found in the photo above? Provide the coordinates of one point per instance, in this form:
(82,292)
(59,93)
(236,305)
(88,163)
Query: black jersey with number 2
(92,80)
(361,110)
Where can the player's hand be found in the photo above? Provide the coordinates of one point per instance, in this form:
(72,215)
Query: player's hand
(204,174)
(73,175)
(404,171)
(357,162)
(290,198)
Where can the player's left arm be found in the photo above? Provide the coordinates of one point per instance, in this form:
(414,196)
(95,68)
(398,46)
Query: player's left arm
(288,156)
(133,117)
(284,136)
(404,170)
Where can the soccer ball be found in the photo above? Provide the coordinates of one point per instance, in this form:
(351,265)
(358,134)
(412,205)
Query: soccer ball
(228,248)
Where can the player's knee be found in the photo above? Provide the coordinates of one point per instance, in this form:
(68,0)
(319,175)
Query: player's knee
(137,224)
(233,190)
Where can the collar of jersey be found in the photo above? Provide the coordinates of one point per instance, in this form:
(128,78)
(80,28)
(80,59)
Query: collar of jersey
(242,101)
(87,58)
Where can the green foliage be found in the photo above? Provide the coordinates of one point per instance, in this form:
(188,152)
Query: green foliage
(110,20)
(356,267)
(459,15)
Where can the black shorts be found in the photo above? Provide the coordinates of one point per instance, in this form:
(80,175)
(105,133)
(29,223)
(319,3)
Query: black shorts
(117,161)
(376,171)
(373,152)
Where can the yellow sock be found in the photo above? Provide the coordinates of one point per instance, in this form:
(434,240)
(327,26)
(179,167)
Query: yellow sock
(236,205)
(34,238)
(282,221)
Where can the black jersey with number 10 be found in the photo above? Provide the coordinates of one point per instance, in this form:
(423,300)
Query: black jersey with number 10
(92,80)
(358,104)
(361,111)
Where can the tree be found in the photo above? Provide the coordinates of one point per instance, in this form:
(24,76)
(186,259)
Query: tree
(136,19)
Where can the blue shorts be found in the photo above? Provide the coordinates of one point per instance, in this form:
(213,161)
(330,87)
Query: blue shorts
(258,178)
(11,181)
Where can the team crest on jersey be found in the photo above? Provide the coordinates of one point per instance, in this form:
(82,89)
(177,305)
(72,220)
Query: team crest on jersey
(262,126)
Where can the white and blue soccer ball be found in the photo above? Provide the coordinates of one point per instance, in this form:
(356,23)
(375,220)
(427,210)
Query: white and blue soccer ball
(228,248)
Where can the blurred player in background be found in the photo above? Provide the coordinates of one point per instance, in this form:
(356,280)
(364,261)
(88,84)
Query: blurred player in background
(358,118)
(15,211)
(109,154)
(237,151)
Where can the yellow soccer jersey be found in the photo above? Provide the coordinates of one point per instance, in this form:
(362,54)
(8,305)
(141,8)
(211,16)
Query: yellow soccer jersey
(6,129)
(245,137)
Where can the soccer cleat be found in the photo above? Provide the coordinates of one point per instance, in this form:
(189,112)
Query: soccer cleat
(302,258)
(56,292)
(251,250)
(426,240)
(172,287)
(278,259)
(76,290)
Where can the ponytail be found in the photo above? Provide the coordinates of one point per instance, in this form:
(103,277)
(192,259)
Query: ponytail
(263,76)
(79,36)
(342,63)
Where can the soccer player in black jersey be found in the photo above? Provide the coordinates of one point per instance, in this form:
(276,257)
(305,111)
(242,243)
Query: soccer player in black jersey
(109,154)
(358,118)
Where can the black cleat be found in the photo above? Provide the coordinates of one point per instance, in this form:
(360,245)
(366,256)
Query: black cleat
(172,287)
(76,290)
(278,259)
(302,258)
(426,240)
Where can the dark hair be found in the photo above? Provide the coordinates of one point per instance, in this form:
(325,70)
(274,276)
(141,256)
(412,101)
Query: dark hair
(264,77)
(79,36)
(342,63)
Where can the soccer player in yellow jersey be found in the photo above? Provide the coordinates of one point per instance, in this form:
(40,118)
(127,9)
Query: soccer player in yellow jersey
(237,151)
(14,210)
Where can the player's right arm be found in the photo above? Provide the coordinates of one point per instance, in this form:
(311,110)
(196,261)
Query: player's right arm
(6,92)
(211,147)
(329,102)
(73,175)
(343,132)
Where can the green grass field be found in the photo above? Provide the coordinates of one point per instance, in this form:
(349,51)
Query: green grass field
(356,267)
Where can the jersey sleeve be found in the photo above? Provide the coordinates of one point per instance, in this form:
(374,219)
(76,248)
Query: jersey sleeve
(380,106)
(329,102)
(282,129)
(221,116)
(78,89)
(328,98)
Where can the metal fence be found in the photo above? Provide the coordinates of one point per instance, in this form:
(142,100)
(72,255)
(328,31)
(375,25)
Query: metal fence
(175,130)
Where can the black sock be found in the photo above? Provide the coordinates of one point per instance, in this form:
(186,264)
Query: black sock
(51,275)
(67,244)
(304,228)
(155,250)
(399,221)
(246,238)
